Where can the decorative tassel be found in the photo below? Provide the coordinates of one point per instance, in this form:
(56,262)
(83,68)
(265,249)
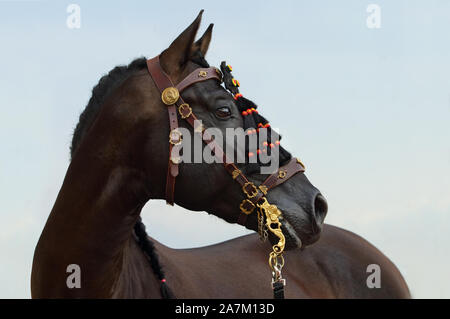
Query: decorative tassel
(166,293)
(253,122)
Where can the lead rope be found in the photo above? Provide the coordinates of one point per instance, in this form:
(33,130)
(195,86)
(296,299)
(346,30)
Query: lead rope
(268,215)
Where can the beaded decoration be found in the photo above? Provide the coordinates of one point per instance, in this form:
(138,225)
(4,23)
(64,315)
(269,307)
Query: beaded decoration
(253,122)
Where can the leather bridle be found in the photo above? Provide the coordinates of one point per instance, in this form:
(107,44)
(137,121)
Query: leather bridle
(255,197)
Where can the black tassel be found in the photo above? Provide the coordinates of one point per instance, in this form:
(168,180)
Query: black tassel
(166,293)
(251,122)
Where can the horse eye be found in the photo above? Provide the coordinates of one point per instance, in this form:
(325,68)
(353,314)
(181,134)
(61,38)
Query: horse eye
(223,112)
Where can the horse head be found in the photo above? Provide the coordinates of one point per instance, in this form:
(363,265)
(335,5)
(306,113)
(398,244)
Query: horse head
(139,139)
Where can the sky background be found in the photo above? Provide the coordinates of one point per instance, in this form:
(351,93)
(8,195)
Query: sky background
(367,110)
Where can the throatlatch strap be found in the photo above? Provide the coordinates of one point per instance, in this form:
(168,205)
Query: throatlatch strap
(278,290)
(162,82)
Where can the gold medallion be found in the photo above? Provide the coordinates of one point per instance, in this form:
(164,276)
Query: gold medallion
(170,96)
(175,137)
(185,110)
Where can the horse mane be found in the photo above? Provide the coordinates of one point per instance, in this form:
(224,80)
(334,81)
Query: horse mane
(107,84)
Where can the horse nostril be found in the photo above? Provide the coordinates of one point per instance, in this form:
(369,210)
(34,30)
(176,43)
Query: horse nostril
(320,208)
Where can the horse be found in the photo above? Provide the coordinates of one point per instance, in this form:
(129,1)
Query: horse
(119,162)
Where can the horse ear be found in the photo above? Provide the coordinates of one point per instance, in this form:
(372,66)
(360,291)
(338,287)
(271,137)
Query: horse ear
(202,44)
(177,54)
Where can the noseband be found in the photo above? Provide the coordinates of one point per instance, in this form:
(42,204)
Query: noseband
(255,197)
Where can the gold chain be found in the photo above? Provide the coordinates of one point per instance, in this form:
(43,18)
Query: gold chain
(262,229)
(272,214)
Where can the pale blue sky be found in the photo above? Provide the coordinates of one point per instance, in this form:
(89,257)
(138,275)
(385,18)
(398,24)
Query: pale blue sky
(372,113)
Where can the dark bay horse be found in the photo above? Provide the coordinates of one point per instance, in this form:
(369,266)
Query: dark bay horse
(119,163)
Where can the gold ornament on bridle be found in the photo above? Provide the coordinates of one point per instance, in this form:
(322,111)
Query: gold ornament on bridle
(273,224)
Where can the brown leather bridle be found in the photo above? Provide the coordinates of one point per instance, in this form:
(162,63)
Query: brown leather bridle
(255,196)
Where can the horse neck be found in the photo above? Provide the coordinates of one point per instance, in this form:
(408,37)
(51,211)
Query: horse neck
(91,221)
